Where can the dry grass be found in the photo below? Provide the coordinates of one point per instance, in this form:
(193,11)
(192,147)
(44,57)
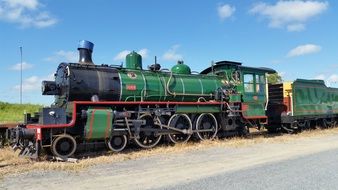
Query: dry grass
(11,164)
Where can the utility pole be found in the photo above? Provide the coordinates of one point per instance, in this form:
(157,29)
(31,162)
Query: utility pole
(20,74)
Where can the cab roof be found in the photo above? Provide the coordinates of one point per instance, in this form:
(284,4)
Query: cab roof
(238,65)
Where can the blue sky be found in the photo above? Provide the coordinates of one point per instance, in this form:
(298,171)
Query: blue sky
(297,38)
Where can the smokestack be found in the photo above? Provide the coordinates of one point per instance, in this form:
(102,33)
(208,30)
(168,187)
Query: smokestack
(85,52)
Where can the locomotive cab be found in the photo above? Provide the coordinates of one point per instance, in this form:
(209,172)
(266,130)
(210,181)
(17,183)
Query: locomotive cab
(247,91)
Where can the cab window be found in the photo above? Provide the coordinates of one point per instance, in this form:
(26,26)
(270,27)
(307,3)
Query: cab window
(248,82)
(260,84)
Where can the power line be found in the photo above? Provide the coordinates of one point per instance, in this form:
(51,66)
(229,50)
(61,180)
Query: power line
(20,74)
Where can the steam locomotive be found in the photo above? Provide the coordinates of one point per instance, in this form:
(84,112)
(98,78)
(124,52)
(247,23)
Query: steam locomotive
(116,106)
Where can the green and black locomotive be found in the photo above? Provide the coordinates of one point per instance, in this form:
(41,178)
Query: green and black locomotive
(119,105)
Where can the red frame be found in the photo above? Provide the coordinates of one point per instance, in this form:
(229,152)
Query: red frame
(75,103)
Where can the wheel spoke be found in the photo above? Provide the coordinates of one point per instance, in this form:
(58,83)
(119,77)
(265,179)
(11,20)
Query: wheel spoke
(147,137)
(181,122)
(206,121)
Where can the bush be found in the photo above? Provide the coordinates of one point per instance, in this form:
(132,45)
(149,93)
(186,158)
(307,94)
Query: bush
(14,112)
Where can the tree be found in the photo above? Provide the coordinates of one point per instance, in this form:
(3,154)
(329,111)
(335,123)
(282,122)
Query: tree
(274,78)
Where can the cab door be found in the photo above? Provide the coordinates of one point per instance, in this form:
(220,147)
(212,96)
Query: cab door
(254,95)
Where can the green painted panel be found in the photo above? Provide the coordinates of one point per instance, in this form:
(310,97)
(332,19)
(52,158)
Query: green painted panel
(99,123)
(210,84)
(253,89)
(235,98)
(198,109)
(312,97)
(254,109)
(152,86)
(176,87)
(191,87)
(133,85)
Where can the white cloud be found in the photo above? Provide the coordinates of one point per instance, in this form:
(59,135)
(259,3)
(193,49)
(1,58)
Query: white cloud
(63,56)
(303,50)
(43,20)
(29,84)
(290,14)
(333,78)
(329,79)
(143,52)
(25,66)
(33,83)
(172,55)
(29,4)
(225,11)
(122,55)
(26,13)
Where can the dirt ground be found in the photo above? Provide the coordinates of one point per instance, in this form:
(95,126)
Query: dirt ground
(165,167)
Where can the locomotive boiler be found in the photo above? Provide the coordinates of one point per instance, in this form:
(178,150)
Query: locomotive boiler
(84,80)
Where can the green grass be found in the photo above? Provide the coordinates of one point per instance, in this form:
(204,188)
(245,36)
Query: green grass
(14,112)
